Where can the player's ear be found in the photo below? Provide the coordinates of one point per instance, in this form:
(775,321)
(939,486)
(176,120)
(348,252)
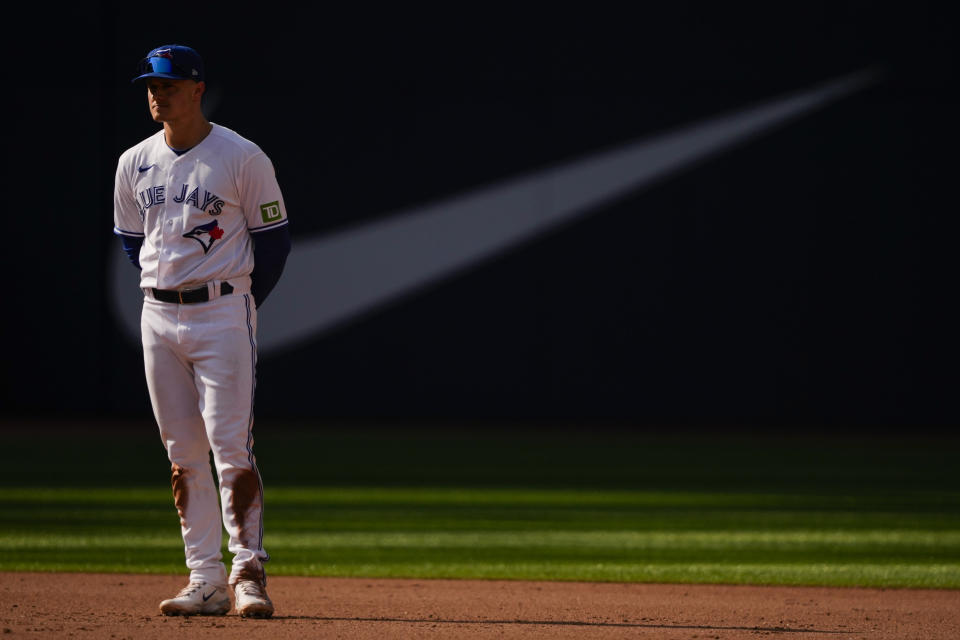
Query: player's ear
(200,89)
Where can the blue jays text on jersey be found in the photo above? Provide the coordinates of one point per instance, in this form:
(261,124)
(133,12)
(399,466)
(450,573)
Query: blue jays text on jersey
(209,203)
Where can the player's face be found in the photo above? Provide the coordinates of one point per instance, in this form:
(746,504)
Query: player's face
(171,100)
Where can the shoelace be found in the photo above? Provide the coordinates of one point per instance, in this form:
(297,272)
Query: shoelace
(191,588)
(251,588)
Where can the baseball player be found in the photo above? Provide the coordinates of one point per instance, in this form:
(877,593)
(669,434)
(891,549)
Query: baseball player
(198,209)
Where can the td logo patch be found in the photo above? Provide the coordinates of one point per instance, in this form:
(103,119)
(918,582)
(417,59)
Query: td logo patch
(270,212)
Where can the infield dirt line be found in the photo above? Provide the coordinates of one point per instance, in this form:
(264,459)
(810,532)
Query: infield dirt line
(76,605)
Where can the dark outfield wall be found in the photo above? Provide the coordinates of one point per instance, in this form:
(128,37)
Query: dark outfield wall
(804,276)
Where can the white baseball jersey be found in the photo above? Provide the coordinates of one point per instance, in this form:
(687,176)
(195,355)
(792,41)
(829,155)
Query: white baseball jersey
(196,211)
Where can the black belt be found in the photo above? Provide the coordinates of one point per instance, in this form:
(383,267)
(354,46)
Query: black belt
(189,296)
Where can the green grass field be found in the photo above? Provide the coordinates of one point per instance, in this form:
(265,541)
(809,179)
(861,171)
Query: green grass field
(763,508)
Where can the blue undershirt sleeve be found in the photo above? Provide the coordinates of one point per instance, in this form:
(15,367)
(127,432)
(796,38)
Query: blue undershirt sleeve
(131,247)
(270,249)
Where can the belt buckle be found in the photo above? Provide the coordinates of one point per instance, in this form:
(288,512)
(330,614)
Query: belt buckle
(180,293)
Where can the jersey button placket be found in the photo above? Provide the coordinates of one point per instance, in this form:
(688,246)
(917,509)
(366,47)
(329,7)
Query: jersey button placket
(171,214)
(162,223)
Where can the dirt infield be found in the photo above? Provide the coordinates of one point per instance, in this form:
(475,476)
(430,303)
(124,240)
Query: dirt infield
(46,605)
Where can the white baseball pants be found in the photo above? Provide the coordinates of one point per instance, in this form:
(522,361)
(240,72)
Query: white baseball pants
(200,362)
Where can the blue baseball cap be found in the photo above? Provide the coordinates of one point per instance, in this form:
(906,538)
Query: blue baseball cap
(174,61)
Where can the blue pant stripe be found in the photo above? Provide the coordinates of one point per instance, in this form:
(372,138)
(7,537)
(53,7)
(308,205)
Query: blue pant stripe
(253,388)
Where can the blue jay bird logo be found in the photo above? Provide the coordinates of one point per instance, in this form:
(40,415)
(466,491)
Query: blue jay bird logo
(205,234)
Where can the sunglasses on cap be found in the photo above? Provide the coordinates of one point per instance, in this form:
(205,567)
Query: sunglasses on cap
(162,62)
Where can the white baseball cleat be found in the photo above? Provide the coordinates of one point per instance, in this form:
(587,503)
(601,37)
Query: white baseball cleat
(252,599)
(198,598)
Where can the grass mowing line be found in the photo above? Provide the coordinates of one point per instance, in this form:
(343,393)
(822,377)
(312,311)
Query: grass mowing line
(941,576)
(941,542)
(427,496)
(900,575)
